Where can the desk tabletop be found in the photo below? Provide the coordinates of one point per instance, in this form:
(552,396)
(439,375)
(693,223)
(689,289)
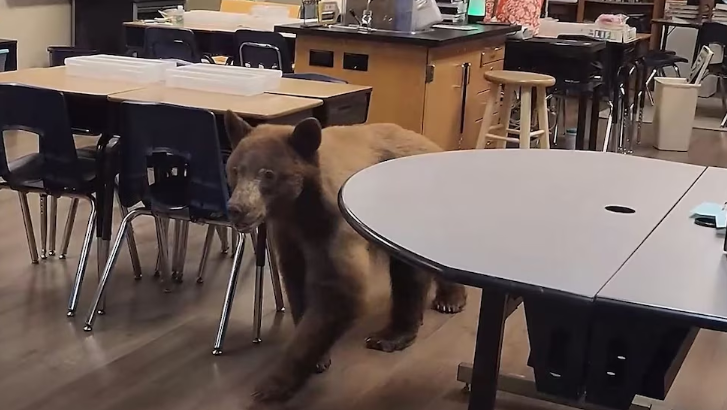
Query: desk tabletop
(678,22)
(56,78)
(530,221)
(263,106)
(681,267)
(316,89)
(209,27)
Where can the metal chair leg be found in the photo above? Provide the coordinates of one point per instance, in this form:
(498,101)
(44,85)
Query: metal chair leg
(205,252)
(131,243)
(676,70)
(229,296)
(648,85)
(176,247)
(275,278)
(609,124)
(222,233)
(43,225)
(28,222)
(163,238)
(53,220)
(180,251)
(724,121)
(69,228)
(260,252)
(235,238)
(158,269)
(113,255)
(83,261)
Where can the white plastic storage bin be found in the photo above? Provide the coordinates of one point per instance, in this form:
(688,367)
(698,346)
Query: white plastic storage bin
(675,104)
(129,69)
(224,79)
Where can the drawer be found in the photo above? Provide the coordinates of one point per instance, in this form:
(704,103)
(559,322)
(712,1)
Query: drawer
(491,54)
(472,131)
(476,104)
(478,83)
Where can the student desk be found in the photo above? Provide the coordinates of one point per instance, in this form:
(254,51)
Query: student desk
(576,66)
(540,231)
(258,108)
(670,22)
(211,39)
(343,104)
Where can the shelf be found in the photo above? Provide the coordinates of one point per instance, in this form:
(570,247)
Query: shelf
(620,3)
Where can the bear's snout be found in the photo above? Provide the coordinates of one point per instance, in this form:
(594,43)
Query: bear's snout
(241,218)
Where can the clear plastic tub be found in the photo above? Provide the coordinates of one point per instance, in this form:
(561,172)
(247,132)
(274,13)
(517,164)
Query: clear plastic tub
(220,79)
(271,78)
(129,69)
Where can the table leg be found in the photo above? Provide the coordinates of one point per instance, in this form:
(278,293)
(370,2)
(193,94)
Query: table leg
(595,111)
(581,128)
(664,37)
(486,367)
(104,203)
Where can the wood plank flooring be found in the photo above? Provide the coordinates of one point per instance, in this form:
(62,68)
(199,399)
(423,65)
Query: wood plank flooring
(152,351)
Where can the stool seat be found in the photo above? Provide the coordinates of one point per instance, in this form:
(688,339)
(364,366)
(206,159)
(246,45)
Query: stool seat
(511,82)
(519,78)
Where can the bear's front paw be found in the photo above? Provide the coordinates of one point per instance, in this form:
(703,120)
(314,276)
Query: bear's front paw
(277,388)
(390,340)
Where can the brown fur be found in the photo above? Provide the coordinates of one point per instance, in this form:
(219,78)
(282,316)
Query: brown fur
(290,177)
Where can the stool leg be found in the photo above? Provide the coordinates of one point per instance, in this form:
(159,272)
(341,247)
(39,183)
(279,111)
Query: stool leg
(542,109)
(525,110)
(492,99)
(505,112)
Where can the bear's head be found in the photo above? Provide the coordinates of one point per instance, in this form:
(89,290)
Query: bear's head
(268,167)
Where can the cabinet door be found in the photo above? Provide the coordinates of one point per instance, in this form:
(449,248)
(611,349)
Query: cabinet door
(477,96)
(445,101)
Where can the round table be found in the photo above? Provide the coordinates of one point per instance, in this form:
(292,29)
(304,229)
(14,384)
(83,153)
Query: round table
(546,223)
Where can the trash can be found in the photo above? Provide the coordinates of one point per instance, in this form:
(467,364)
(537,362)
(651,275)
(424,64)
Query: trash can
(675,103)
(57,54)
(3,58)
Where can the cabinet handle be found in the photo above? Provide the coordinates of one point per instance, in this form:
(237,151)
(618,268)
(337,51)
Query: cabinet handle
(465,81)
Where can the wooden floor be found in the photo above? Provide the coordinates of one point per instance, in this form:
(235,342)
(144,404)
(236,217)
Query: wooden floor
(152,350)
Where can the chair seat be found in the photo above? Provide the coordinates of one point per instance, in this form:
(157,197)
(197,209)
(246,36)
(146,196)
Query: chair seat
(28,170)
(519,78)
(663,60)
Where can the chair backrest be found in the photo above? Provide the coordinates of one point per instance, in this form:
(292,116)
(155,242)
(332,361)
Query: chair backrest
(712,33)
(246,7)
(41,112)
(181,146)
(262,49)
(171,43)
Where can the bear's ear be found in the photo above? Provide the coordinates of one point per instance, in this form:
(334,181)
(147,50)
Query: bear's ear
(306,137)
(236,127)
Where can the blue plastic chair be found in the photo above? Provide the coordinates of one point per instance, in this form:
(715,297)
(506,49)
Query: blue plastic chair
(181,146)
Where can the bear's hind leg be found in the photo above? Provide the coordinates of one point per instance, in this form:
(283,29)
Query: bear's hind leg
(409,288)
(450,297)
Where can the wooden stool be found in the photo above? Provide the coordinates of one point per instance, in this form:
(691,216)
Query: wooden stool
(511,81)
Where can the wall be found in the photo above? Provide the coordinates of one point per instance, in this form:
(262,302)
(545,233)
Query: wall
(36,24)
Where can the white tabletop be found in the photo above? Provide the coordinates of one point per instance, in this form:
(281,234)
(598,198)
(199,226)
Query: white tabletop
(681,267)
(530,217)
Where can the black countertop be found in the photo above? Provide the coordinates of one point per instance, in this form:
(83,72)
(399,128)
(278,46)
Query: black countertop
(432,38)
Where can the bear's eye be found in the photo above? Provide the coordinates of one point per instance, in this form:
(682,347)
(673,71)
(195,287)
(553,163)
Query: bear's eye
(267,175)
